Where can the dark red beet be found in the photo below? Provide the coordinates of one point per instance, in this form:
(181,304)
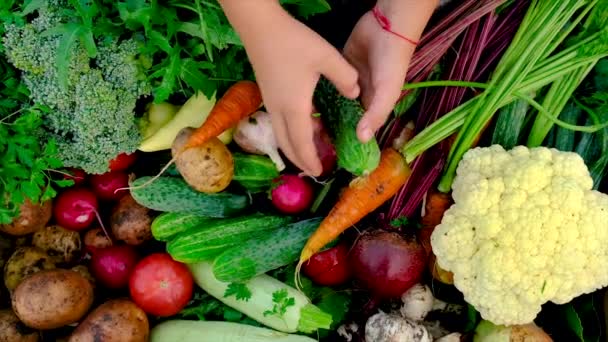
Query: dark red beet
(112,266)
(387,264)
(325,148)
(105,185)
(329,267)
(75,208)
(123,161)
(291,194)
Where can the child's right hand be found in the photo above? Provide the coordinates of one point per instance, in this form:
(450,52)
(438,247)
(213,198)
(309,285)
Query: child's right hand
(288,59)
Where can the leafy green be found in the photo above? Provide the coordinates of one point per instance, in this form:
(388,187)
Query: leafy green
(282,302)
(240,291)
(307,8)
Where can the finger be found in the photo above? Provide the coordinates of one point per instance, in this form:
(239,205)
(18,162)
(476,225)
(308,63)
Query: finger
(281,135)
(380,106)
(342,74)
(300,132)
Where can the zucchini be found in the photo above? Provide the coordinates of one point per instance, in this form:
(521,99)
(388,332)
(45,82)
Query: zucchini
(253,172)
(341,115)
(205,243)
(218,331)
(268,252)
(261,303)
(167,225)
(172,194)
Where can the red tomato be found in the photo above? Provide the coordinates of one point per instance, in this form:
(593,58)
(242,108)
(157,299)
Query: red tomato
(122,162)
(160,285)
(329,267)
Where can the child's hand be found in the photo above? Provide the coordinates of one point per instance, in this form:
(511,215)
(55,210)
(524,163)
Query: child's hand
(382,60)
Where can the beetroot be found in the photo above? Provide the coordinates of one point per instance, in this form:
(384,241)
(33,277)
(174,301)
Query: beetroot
(112,266)
(75,208)
(291,194)
(325,148)
(386,263)
(105,185)
(329,267)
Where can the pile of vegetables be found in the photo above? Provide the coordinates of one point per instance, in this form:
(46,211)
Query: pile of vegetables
(145,197)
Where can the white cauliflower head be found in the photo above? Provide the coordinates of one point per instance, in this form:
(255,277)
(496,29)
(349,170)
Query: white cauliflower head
(525,229)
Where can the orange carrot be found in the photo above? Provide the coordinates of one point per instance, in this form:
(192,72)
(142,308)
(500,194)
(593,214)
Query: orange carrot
(436,204)
(360,198)
(240,100)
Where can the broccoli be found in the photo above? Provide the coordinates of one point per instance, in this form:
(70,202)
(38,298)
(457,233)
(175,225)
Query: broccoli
(91,117)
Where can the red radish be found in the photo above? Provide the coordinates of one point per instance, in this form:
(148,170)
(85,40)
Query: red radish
(291,194)
(75,208)
(325,148)
(105,185)
(387,264)
(123,161)
(113,265)
(329,267)
(77,175)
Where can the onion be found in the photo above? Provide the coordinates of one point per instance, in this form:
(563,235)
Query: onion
(113,265)
(387,264)
(254,134)
(291,194)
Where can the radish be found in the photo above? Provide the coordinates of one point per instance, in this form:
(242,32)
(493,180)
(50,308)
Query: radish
(77,175)
(291,194)
(329,267)
(105,185)
(112,266)
(325,148)
(75,208)
(254,134)
(387,264)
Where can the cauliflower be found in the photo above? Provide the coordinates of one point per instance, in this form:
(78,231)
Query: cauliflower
(525,229)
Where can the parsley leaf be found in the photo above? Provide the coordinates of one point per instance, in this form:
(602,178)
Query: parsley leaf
(240,291)
(307,8)
(282,302)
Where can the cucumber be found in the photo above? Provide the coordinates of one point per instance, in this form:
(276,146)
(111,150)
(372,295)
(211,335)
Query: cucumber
(167,225)
(172,194)
(205,243)
(253,172)
(263,254)
(342,116)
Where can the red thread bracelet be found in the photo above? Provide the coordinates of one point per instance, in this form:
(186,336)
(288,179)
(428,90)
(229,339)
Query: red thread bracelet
(385,23)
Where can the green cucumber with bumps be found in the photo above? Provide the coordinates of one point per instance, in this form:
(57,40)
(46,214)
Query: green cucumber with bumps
(266,253)
(167,225)
(206,243)
(253,172)
(342,115)
(172,194)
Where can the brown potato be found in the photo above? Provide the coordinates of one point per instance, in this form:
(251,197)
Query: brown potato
(51,299)
(32,217)
(131,221)
(207,168)
(12,330)
(117,320)
(84,271)
(62,244)
(24,262)
(95,239)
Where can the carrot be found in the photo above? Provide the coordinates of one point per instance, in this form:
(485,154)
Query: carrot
(240,100)
(360,198)
(435,206)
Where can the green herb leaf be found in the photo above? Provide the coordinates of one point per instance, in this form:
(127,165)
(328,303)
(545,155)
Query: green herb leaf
(240,291)
(282,302)
(307,8)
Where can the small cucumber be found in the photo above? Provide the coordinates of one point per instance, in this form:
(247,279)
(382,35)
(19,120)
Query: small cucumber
(167,225)
(173,194)
(263,254)
(205,243)
(254,173)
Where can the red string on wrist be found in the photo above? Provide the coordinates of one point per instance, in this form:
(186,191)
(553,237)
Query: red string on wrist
(385,23)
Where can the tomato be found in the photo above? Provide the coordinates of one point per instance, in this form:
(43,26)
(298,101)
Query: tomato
(160,285)
(329,267)
(123,161)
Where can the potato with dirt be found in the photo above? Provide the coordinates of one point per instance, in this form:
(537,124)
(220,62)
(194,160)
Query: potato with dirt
(24,262)
(117,320)
(12,330)
(32,217)
(95,239)
(51,299)
(207,168)
(131,222)
(62,244)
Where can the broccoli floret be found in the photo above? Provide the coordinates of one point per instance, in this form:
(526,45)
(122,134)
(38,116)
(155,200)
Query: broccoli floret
(91,118)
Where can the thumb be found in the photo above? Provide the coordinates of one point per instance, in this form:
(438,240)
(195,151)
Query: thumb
(342,74)
(379,109)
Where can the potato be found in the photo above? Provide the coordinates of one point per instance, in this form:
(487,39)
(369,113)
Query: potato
(62,244)
(131,221)
(24,262)
(207,168)
(32,217)
(12,330)
(51,299)
(84,271)
(117,320)
(95,239)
